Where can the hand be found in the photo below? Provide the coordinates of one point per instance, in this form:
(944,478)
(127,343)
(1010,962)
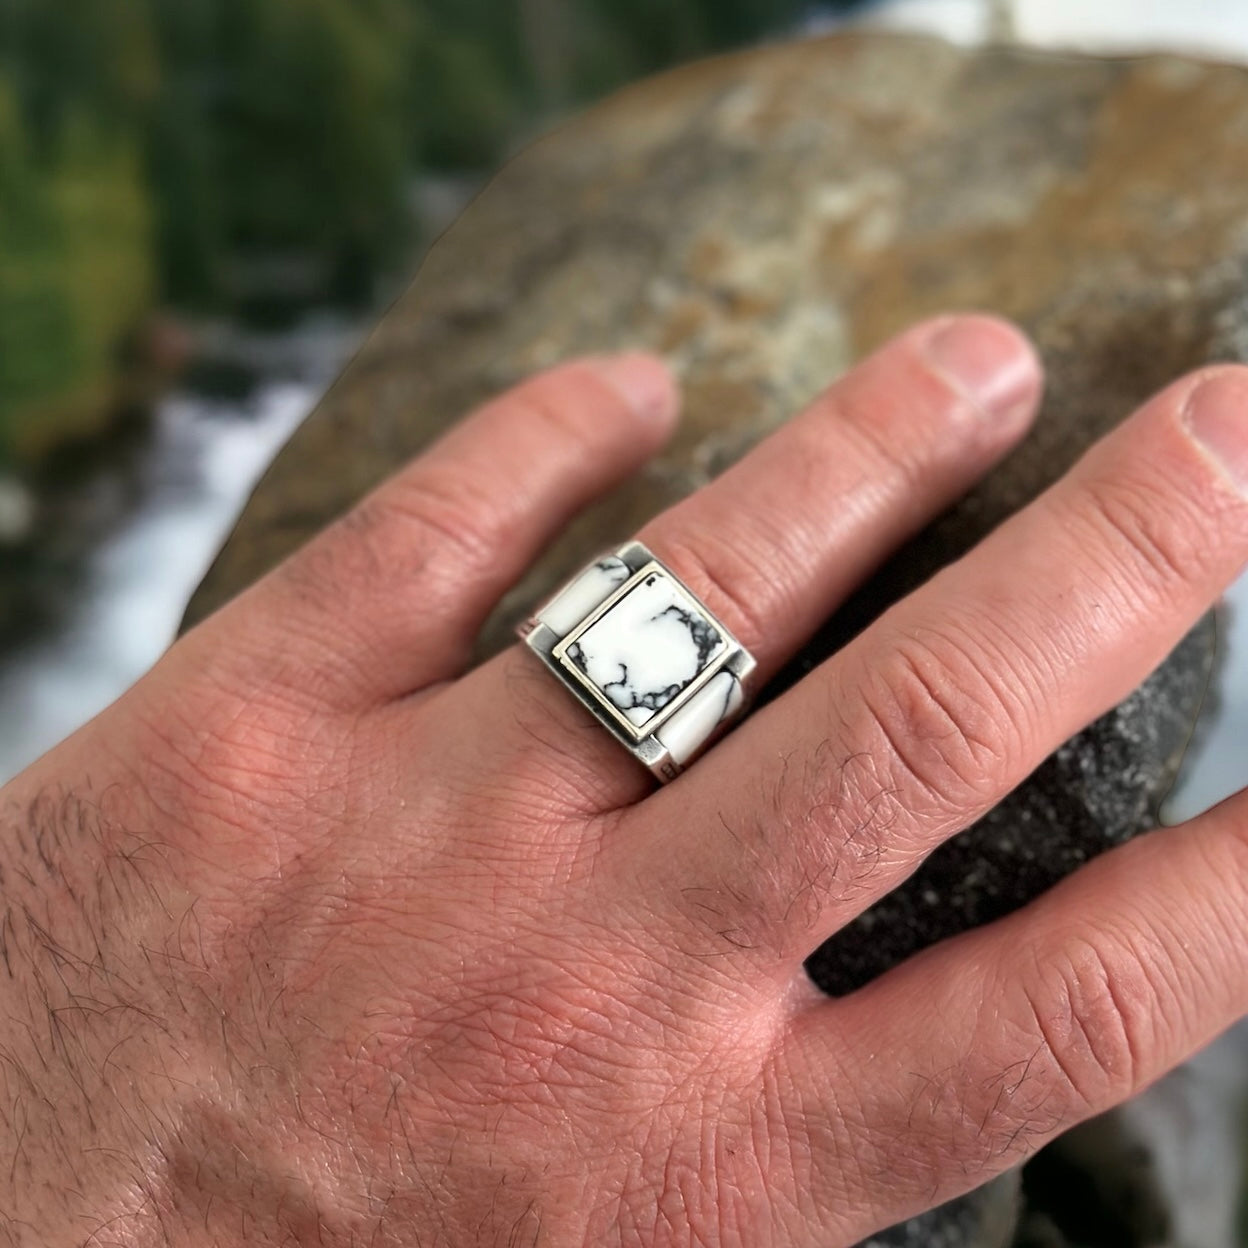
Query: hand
(316,938)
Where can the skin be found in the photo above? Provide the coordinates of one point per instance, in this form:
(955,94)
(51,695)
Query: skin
(317,938)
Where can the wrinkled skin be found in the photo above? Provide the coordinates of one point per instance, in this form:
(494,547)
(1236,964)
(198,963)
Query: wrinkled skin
(316,937)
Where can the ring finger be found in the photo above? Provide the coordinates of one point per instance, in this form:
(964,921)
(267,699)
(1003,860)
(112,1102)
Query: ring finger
(776,542)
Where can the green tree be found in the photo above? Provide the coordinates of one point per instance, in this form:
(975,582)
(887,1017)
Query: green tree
(75,271)
(281,144)
(223,153)
(76,79)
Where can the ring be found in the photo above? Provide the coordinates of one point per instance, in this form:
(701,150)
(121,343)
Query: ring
(645,655)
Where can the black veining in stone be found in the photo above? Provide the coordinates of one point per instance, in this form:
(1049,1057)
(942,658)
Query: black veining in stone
(577,655)
(706,640)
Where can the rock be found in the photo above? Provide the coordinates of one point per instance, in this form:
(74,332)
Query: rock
(1164,1169)
(767,218)
(986,1218)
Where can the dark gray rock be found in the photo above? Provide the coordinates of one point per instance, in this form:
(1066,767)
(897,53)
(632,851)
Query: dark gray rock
(1166,1170)
(985,1218)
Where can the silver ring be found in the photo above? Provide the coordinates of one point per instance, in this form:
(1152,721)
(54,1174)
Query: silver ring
(642,652)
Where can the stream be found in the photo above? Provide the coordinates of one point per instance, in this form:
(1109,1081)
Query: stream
(203,456)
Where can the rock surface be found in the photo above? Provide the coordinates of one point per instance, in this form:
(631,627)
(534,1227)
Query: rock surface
(986,1218)
(764,220)
(1165,1169)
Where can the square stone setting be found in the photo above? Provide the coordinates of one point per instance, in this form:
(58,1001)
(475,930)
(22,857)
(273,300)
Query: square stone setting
(644,650)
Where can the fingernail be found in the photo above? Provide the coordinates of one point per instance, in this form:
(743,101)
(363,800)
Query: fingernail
(1216,414)
(642,381)
(992,364)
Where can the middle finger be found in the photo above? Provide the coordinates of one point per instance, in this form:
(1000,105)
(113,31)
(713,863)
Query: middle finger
(834,793)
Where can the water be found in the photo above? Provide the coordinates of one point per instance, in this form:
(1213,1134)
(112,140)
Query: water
(1213,28)
(204,457)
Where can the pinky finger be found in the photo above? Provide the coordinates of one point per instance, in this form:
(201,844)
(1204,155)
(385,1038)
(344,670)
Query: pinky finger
(969,1057)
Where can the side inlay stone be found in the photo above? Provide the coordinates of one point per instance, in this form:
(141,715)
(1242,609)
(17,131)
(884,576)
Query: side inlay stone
(692,725)
(647,649)
(594,586)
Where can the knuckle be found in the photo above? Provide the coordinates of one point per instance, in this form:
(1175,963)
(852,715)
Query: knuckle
(409,528)
(1145,527)
(560,408)
(1064,1041)
(434,511)
(944,717)
(875,443)
(558,400)
(1086,1008)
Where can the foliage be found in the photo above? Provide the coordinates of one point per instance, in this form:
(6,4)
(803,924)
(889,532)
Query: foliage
(218,154)
(75,272)
(281,145)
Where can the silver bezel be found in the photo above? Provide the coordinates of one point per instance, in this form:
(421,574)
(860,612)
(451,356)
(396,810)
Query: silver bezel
(642,740)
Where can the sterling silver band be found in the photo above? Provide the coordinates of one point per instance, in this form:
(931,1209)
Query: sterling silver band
(647,658)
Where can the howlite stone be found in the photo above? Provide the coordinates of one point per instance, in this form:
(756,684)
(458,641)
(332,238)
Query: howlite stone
(764,220)
(647,650)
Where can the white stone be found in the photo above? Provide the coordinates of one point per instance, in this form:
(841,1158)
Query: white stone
(592,588)
(647,649)
(688,729)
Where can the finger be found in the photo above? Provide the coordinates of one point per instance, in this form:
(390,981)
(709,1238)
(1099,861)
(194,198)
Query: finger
(1002,1038)
(392,596)
(775,543)
(831,795)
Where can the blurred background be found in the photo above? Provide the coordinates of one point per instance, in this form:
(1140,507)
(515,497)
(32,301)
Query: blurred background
(204,204)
